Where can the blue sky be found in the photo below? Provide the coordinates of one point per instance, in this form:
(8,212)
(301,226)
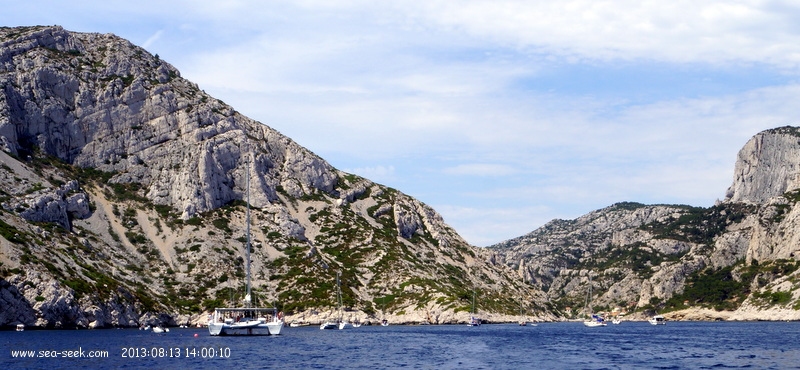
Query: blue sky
(500,114)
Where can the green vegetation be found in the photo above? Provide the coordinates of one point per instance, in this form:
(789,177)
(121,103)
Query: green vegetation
(700,225)
(726,288)
(715,288)
(128,191)
(222,224)
(11,233)
(771,298)
(637,257)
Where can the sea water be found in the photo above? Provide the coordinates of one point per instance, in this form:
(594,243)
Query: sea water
(630,345)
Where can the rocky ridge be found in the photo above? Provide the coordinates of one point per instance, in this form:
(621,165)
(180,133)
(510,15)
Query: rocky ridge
(738,258)
(123,186)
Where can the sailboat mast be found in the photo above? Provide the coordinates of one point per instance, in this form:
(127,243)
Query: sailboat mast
(589,297)
(339,294)
(247,248)
(473,302)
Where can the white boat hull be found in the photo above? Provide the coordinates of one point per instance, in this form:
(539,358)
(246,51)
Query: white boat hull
(593,324)
(328,326)
(270,328)
(219,324)
(333,325)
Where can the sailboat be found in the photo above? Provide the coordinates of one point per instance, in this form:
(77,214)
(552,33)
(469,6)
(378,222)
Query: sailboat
(523,319)
(384,322)
(474,320)
(246,320)
(339,323)
(594,320)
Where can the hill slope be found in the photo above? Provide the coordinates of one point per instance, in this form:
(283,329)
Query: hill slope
(735,260)
(122,187)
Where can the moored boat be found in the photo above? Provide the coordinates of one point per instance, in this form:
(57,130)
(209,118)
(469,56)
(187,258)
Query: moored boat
(474,320)
(594,320)
(328,325)
(247,320)
(657,320)
(339,323)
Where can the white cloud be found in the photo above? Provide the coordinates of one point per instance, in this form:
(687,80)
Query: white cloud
(678,31)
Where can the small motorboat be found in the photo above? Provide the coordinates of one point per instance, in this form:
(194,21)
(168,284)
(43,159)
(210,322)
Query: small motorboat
(657,320)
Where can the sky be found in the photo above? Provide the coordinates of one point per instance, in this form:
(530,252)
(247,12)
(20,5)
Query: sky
(500,114)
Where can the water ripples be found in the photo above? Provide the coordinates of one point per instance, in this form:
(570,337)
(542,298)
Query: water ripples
(631,345)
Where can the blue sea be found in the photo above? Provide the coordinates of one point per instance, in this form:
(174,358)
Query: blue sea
(630,345)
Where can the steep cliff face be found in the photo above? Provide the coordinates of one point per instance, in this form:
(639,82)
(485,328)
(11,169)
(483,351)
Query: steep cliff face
(123,186)
(767,166)
(98,101)
(740,256)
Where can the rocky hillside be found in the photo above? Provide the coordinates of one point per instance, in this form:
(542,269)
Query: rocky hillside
(735,260)
(122,188)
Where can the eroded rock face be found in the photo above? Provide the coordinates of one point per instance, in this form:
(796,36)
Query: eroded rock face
(56,205)
(14,308)
(98,101)
(164,167)
(767,166)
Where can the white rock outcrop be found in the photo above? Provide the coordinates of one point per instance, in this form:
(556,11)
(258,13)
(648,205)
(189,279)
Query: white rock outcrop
(98,101)
(767,166)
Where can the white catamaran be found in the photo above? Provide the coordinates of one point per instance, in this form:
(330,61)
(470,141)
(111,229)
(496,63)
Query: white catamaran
(247,320)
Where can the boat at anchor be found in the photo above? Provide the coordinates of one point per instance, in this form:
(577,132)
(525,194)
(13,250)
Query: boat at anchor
(246,320)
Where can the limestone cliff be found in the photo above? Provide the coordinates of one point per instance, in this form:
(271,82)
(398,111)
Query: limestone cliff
(123,186)
(739,257)
(767,166)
